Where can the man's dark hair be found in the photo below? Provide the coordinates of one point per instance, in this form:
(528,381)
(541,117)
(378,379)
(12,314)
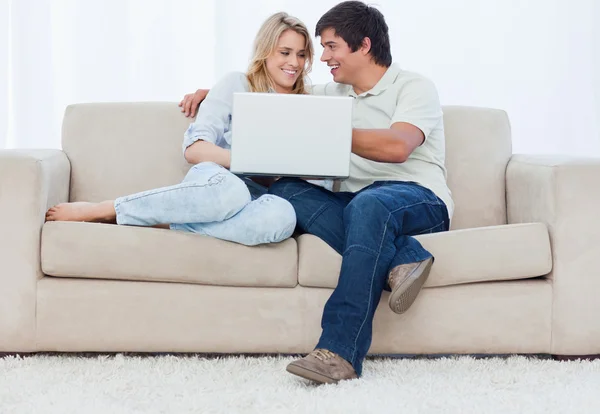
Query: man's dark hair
(353,21)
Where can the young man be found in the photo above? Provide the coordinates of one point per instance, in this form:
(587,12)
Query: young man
(396,189)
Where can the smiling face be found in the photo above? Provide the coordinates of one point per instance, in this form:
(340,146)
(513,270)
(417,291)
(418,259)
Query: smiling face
(344,64)
(287,61)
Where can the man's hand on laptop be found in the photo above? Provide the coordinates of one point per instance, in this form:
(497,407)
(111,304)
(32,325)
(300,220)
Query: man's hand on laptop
(190,102)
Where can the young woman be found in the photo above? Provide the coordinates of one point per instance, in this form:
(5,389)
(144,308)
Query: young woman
(211,200)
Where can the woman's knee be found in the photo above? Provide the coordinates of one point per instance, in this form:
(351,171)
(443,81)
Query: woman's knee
(233,194)
(229,192)
(285,216)
(278,219)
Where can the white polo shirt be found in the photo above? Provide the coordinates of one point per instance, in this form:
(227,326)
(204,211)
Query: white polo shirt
(399,96)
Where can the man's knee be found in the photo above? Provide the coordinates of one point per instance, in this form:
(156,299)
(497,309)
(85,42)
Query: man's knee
(365,203)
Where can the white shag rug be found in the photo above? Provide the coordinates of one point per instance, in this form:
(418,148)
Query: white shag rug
(191,384)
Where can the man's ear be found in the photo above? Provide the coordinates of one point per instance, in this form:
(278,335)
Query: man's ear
(365,48)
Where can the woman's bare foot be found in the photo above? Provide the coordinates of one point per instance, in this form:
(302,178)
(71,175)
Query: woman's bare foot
(103,212)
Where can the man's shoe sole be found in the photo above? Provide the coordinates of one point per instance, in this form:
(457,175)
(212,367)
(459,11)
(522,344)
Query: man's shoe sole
(308,374)
(402,298)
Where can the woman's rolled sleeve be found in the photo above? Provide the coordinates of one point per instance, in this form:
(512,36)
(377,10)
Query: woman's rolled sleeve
(214,114)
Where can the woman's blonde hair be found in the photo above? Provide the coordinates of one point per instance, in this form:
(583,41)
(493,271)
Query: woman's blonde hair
(265,44)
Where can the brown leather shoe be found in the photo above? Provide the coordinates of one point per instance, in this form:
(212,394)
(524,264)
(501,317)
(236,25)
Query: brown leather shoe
(406,282)
(323,366)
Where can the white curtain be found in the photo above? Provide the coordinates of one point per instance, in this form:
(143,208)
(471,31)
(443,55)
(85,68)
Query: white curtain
(70,51)
(538,59)
(4,71)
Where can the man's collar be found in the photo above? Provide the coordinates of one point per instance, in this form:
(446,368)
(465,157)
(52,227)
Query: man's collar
(386,80)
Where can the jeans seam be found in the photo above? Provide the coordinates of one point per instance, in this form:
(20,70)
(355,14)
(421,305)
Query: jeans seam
(159,191)
(371,287)
(431,228)
(412,205)
(299,192)
(360,247)
(316,215)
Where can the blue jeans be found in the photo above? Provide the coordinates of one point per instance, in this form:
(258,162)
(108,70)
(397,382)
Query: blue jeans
(372,231)
(214,202)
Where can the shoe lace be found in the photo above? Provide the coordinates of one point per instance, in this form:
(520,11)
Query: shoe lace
(323,354)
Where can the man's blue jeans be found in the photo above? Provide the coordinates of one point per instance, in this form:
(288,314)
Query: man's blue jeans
(371,229)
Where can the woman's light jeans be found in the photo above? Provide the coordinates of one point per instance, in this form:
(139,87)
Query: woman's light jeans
(214,202)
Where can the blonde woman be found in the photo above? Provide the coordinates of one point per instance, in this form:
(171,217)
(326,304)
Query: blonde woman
(211,200)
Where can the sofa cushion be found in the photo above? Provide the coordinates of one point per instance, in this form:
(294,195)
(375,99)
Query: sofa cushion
(461,256)
(107,251)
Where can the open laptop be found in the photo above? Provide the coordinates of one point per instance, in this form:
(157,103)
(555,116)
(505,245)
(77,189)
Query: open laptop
(291,135)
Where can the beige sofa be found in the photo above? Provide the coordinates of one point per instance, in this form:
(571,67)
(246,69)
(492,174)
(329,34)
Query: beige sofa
(518,273)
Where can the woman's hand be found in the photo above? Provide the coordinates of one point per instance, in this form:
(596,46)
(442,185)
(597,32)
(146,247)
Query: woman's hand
(190,102)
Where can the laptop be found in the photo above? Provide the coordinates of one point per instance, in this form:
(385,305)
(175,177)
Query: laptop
(291,135)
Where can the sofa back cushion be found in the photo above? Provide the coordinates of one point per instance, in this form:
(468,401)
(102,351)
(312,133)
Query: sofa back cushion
(117,149)
(478,148)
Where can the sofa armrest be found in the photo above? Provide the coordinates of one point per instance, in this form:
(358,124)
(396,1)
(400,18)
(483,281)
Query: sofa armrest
(30,182)
(564,193)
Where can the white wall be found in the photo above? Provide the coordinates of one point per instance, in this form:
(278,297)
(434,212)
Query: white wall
(530,58)
(537,59)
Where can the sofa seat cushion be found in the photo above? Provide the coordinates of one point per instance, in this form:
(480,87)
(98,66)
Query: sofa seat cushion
(482,254)
(108,251)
